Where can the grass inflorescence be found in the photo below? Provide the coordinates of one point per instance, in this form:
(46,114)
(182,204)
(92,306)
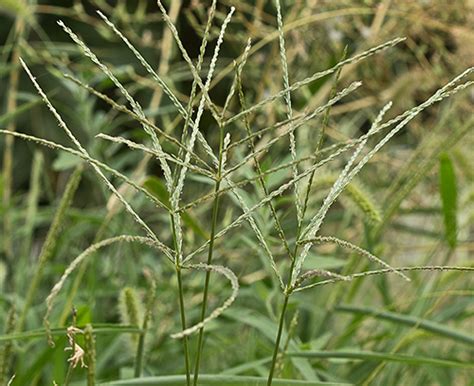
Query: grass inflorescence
(231,187)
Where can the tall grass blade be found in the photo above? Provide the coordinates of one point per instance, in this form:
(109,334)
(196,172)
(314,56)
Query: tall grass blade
(414,360)
(448,191)
(418,323)
(210,379)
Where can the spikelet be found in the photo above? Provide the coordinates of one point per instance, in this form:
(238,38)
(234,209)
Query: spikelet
(131,310)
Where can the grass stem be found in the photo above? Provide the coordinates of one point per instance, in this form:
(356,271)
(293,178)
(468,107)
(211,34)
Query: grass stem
(278,339)
(183,325)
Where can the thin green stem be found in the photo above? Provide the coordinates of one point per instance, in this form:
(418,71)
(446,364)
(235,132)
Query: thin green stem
(278,339)
(293,257)
(215,211)
(183,324)
(288,292)
(181,301)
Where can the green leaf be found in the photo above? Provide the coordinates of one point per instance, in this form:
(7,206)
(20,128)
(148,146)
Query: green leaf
(448,192)
(211,379)
(65,161)
(156,187)
(323,262)
(377,356)
(422,324)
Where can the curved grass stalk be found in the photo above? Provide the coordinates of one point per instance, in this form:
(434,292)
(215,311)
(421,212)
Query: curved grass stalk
(77,261)
(384,271)
(319,273)
(218,311)
(355,248)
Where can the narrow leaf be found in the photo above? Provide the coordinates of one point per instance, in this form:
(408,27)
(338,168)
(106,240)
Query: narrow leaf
(448,192)
(380,357)
(211,379)
(423,324)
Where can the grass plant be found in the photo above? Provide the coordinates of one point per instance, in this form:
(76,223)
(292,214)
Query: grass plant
(228,211)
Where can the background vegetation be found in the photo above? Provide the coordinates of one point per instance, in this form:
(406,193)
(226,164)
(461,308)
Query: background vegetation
(413,203)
